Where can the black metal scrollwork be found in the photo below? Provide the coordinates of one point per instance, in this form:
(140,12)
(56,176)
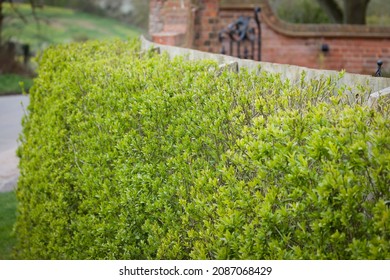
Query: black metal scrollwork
(378,72)
(242,38)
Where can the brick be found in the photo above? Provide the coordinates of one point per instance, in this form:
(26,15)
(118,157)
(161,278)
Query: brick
(355,54)
(213,35)
(168,38)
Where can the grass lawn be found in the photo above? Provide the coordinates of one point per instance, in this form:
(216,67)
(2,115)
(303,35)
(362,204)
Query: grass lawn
(55,26)
(11,84)
(7,220)
(58,25)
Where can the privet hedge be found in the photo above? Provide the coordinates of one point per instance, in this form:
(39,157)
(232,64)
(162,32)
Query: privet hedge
(129,156)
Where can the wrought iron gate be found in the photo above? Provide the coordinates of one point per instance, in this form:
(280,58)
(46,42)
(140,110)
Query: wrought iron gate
(242,38)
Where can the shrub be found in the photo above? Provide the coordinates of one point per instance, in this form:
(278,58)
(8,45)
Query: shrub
(129,156)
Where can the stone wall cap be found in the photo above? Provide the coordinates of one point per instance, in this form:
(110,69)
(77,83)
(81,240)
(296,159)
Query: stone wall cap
(167,33)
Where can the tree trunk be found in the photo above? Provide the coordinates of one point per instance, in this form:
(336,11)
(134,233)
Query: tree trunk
(1,22)
(355,11)
(332,9)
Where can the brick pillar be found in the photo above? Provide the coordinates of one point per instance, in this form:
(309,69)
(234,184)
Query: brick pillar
(156,23)
(171,22)
(207,26)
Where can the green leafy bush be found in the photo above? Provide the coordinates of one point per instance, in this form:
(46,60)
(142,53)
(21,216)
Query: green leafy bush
(129,156)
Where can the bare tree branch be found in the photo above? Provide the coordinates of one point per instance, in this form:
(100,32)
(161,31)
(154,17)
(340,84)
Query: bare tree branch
(1,22)
(3,16)
(33,6)
(16,11)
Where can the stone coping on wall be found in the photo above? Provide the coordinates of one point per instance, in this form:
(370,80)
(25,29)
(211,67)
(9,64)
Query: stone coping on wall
(306,30)
(352,82)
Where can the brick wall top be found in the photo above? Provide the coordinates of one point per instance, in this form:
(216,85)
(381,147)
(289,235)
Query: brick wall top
(307,30)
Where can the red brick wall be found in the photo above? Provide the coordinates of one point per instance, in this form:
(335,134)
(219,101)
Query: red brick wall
(207,26)
(353,48)
(170,22)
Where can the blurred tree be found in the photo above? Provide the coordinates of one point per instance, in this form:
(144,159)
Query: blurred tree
(134,12)
(377,12)
(353,12)
(300,11)
(8,61)
(33,4)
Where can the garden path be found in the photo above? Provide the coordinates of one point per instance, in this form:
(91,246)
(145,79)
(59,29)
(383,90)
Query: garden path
(12,109)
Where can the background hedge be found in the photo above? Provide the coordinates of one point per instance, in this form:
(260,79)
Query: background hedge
(129,156)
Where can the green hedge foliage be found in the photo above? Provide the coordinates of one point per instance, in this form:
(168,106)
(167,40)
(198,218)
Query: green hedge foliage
(129,156)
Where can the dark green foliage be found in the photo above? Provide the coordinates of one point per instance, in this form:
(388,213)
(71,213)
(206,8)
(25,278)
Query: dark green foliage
(7,220)
(12,83)
(146,158)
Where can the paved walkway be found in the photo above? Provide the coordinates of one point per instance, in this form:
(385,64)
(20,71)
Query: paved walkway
(12,109)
